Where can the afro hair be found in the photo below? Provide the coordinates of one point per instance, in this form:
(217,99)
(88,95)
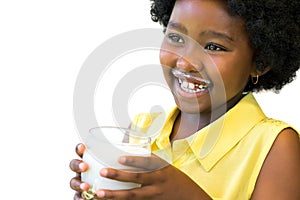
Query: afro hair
(274,32)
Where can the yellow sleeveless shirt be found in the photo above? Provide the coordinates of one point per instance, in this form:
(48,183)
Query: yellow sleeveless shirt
(225,157)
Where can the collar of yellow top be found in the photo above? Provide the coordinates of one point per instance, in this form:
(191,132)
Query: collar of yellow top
(211,143)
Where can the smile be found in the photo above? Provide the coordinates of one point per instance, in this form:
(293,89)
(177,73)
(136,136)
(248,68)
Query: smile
(192,87)
(191,84)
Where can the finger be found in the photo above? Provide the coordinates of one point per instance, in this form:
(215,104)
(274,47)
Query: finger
(78,166)
(80,148)
(148,163)
(147,192)
(77,185)
(134,177)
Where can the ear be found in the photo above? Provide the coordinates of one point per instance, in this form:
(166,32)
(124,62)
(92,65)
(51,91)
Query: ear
(257,72)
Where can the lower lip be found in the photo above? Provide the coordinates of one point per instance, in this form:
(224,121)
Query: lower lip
(185,94)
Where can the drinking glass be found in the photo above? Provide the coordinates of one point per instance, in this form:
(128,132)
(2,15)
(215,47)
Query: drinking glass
(104,146)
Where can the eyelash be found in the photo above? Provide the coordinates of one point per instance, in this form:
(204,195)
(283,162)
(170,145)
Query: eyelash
(172,37)
(176,38)
(215,47)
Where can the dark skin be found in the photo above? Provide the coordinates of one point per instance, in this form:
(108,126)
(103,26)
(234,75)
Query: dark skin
(185,126)
(226,41)
(154,183)
(278,179)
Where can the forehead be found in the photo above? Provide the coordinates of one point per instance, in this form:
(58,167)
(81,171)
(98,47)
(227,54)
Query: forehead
(202,15)
(197,9)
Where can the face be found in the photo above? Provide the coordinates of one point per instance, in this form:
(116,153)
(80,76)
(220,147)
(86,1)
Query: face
(206,55)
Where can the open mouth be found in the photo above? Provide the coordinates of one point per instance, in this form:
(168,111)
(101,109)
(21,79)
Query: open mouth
(191,84)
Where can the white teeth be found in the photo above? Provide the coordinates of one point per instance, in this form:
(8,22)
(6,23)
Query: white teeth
(184,84)
(191,87)
(191,84)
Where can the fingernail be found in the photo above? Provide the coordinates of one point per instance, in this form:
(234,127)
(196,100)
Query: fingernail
(84,186)
(100,194)
(81,186)
(83,166)
(122,159)
(80,147)
(77,147)
(103,172)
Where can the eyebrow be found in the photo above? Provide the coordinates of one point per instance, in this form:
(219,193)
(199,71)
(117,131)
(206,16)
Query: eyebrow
(210,33)
(217,34)
(177,26)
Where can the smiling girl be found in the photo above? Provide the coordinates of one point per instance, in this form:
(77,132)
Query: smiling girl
(253,45)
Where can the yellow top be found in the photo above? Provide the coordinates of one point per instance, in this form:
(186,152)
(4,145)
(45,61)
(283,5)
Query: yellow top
(224,163)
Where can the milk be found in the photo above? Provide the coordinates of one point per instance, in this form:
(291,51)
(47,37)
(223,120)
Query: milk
(93,178)
(104,146)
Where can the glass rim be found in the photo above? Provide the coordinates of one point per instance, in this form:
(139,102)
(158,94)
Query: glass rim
(127,131)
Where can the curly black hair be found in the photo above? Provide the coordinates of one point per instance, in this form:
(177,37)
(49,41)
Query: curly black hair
(273,29)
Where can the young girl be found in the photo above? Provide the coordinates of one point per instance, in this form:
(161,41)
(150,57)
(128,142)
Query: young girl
(254,45)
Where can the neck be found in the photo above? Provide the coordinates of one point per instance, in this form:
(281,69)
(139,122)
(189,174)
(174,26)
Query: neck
(187,124)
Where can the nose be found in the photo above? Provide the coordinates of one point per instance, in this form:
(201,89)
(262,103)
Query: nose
(185,65)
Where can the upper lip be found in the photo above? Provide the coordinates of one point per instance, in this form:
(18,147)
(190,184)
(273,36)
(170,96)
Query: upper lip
(190,78)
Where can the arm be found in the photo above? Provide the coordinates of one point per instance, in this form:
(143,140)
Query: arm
(279,177)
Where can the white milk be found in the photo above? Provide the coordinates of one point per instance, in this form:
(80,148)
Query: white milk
(92,176)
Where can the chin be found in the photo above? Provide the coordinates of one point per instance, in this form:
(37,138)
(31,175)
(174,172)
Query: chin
(193,107)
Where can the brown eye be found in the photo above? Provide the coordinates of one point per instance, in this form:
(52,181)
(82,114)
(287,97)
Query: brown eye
(175,38)
(215,47)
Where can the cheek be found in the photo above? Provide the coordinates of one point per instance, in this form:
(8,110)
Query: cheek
(235,79)
(235,73)
(167,59)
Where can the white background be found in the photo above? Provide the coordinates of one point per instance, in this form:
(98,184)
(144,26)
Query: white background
(42,47)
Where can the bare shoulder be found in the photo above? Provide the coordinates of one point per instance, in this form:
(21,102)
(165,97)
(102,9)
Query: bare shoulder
(279,177)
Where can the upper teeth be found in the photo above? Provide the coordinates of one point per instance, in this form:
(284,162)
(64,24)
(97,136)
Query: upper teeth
(191,87)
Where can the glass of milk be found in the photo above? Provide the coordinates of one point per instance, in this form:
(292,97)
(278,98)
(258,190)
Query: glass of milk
(104,146)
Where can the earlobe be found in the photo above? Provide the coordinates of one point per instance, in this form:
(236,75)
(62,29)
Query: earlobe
(257,73)
(266,70)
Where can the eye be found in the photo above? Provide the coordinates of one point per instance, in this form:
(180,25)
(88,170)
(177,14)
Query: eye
(175,38)
(215,47)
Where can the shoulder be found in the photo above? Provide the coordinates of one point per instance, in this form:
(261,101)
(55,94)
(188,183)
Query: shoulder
(274,130)
(279,177)
(287,142)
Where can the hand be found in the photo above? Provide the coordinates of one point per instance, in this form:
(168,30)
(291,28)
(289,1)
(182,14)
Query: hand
(78,166)
(161,182)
